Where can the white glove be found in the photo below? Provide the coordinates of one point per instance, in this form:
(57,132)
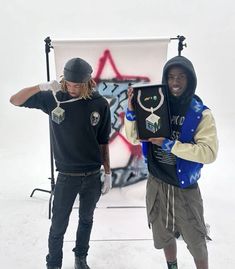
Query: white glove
(106,180)
(52,85)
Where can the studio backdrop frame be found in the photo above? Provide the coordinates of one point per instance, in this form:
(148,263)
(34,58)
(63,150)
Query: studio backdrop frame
(116,63)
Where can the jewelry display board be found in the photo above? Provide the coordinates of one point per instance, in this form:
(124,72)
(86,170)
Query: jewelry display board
(152,110)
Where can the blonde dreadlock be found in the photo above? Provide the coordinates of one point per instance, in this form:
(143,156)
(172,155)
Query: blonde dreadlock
(86,88)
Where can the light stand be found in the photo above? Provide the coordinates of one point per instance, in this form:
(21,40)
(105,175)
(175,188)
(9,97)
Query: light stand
(48,47)
(180,44)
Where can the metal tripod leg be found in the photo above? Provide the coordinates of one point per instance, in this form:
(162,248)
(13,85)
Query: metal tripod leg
(51,195)
(48,46)
(37,189)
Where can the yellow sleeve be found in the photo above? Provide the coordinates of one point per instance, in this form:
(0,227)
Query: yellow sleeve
(131,131)
(205,147)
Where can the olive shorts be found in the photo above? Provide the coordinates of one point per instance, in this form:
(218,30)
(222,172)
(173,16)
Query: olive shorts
(172,210)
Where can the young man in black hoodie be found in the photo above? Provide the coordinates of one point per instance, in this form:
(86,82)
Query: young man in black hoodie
(174,203)
(80,127)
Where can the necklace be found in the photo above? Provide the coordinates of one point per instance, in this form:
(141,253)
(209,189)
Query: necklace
(58,114)
(152,122)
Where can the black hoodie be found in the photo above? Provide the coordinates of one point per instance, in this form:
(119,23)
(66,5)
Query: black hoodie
(77,138)
(184,63)
(161,164)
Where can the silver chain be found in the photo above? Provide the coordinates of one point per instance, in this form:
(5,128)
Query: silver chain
(151,109)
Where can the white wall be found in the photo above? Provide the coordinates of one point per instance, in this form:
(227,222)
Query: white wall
(207,25)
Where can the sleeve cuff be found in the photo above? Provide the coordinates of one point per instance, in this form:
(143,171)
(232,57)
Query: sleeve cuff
(130,115)
(167,145)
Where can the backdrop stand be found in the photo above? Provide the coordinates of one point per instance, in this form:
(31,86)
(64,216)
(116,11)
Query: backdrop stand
(48,47)
(180,44)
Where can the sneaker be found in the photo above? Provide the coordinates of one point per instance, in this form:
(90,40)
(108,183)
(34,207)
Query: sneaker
(172,265)
(80,263)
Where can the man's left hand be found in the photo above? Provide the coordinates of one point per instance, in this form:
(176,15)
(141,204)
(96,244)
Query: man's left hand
(106,180)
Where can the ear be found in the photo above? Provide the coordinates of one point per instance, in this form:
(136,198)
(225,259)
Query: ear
(92,83)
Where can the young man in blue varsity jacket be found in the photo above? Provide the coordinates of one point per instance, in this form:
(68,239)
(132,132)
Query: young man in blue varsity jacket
(174,203)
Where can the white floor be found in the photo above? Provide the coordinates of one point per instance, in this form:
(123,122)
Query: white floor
(120,238)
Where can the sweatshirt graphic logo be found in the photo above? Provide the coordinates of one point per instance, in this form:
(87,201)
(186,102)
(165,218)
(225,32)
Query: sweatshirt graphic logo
(95,118)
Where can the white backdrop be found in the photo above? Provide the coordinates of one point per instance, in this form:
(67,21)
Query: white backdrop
(117,62)
(24,147)
(135,57)
(207,25)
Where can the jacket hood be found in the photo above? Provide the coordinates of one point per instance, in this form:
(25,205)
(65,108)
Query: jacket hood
(186,64)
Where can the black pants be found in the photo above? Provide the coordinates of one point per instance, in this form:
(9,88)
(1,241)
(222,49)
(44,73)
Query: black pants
(66,190)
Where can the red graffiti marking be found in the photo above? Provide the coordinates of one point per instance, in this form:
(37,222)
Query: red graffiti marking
(134,149)
(102,61)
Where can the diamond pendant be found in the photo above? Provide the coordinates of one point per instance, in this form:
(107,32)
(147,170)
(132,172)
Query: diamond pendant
(152,123)
(58,114)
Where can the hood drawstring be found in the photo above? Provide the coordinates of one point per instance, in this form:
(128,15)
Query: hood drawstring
(168,206)
(173,208)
